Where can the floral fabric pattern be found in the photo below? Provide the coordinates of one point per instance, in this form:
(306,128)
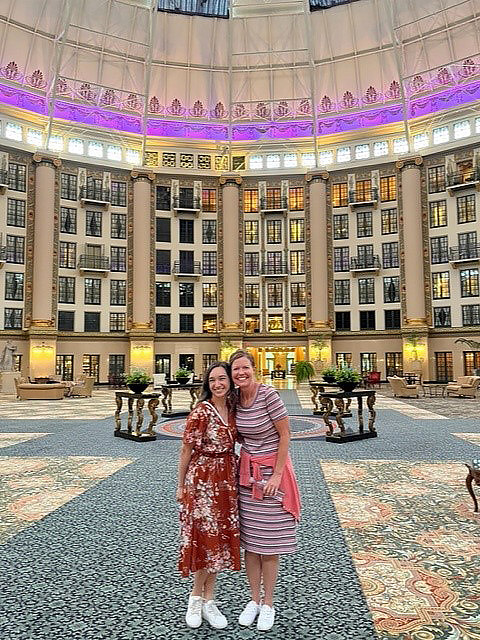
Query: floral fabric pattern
(209,514)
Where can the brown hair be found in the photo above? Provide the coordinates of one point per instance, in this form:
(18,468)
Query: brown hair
(240,353)
(206,393)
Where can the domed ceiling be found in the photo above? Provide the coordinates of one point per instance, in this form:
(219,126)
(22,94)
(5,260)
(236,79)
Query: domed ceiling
(271,70)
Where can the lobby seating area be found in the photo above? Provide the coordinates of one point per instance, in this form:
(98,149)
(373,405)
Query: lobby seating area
(465,386)
(33,391)
(401,389)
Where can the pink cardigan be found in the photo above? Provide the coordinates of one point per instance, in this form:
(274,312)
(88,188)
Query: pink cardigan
(250,467)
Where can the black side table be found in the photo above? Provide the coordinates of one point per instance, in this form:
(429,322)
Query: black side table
(137,434)
(342,402)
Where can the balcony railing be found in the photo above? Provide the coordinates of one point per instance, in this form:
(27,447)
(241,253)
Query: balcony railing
(363,197)
(274,205)
(95,194)
(274,269)
(3,179)
(190,269)
(465,180)
(191,205)
(88,262)
(365,263)
(470,253)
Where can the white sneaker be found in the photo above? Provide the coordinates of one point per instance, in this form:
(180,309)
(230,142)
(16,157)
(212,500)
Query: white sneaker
(266,618)
(215,618)
(249,614)
(193,617)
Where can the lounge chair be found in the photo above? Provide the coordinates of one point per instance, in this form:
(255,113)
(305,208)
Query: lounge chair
(465,386)
(401,389)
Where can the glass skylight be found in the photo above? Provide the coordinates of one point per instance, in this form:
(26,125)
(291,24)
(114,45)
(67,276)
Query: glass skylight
(13,131)
(308,160)
(441,134)
(290,160)
(256,162)
(344,154)
(380,148)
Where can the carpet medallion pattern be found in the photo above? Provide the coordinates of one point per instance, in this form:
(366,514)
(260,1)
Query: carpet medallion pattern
(420,579)
(30,488)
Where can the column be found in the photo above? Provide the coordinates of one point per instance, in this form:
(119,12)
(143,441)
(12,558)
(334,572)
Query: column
(42,332)
(414,282)
(415,332)
(141,333)
(230,252)
(43,242)
(317,183)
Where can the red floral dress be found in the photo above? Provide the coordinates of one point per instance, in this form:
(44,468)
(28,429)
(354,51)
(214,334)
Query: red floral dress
(210,536)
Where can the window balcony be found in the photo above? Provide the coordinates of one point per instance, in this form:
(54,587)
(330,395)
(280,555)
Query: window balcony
(186,205)
(279,205)
(187,270)
(365,264)
(466,180)
(363,198)
(94,195)
(274,270)
(98,264)
(3,180)
(462,255)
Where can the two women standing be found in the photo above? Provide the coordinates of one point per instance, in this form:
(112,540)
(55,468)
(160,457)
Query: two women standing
(268,498)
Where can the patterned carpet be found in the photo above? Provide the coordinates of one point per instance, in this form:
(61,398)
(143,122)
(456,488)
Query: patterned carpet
(389,547)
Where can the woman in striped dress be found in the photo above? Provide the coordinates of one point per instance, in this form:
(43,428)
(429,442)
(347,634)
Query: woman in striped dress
(269,502)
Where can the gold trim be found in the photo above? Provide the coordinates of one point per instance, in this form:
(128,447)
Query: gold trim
(316,175)
(230,178)
(408,163)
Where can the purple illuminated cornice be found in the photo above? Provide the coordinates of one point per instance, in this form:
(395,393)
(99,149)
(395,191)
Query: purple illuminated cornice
(244,131)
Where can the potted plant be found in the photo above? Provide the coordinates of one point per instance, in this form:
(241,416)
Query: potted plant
(182,375)
(304,370)
(347,378)
(328,374)
(137,381)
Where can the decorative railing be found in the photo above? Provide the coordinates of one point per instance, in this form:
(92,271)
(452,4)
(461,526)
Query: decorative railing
(364,195)
(95,194)
(277,204)
(188,204)
(469,252)
(274,269)
(193,269)
(96,263)
(454,179)
(364,262)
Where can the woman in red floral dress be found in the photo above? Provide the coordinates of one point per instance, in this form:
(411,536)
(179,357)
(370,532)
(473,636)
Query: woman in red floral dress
(207,491)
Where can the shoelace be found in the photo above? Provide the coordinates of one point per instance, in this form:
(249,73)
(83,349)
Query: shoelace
(212,608)
(196,606)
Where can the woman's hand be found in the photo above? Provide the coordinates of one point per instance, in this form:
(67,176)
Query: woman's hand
(179,494)
(272,485)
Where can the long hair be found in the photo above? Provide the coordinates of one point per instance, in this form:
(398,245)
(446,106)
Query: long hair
(206,393)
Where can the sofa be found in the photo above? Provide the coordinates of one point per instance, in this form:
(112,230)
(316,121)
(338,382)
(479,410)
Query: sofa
(83,389)
(30,391)
(401,389)
(465,386)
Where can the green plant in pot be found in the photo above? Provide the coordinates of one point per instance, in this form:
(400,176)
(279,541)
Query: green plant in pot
(304,370)
(182,375)
(347,378)
(328,374)
(137,380)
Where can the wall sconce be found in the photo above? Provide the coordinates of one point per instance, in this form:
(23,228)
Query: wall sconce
(42,349)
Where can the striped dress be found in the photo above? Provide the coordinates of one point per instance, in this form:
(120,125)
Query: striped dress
(265,526)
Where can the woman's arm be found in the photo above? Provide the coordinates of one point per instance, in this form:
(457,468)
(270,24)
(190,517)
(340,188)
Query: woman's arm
(185,456)
(283,428)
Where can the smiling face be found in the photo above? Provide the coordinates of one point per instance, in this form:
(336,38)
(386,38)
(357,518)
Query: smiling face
(218,382)
(243,373)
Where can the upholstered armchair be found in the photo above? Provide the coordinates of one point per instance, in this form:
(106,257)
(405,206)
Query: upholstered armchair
(401,389)
(83,389)
(466,386)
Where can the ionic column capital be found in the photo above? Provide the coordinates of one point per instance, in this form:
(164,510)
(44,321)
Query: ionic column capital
(46,160)
(314,176)
(142,176)
(230,178)
(414,162)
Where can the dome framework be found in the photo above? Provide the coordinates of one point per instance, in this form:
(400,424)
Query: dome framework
(271,72)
